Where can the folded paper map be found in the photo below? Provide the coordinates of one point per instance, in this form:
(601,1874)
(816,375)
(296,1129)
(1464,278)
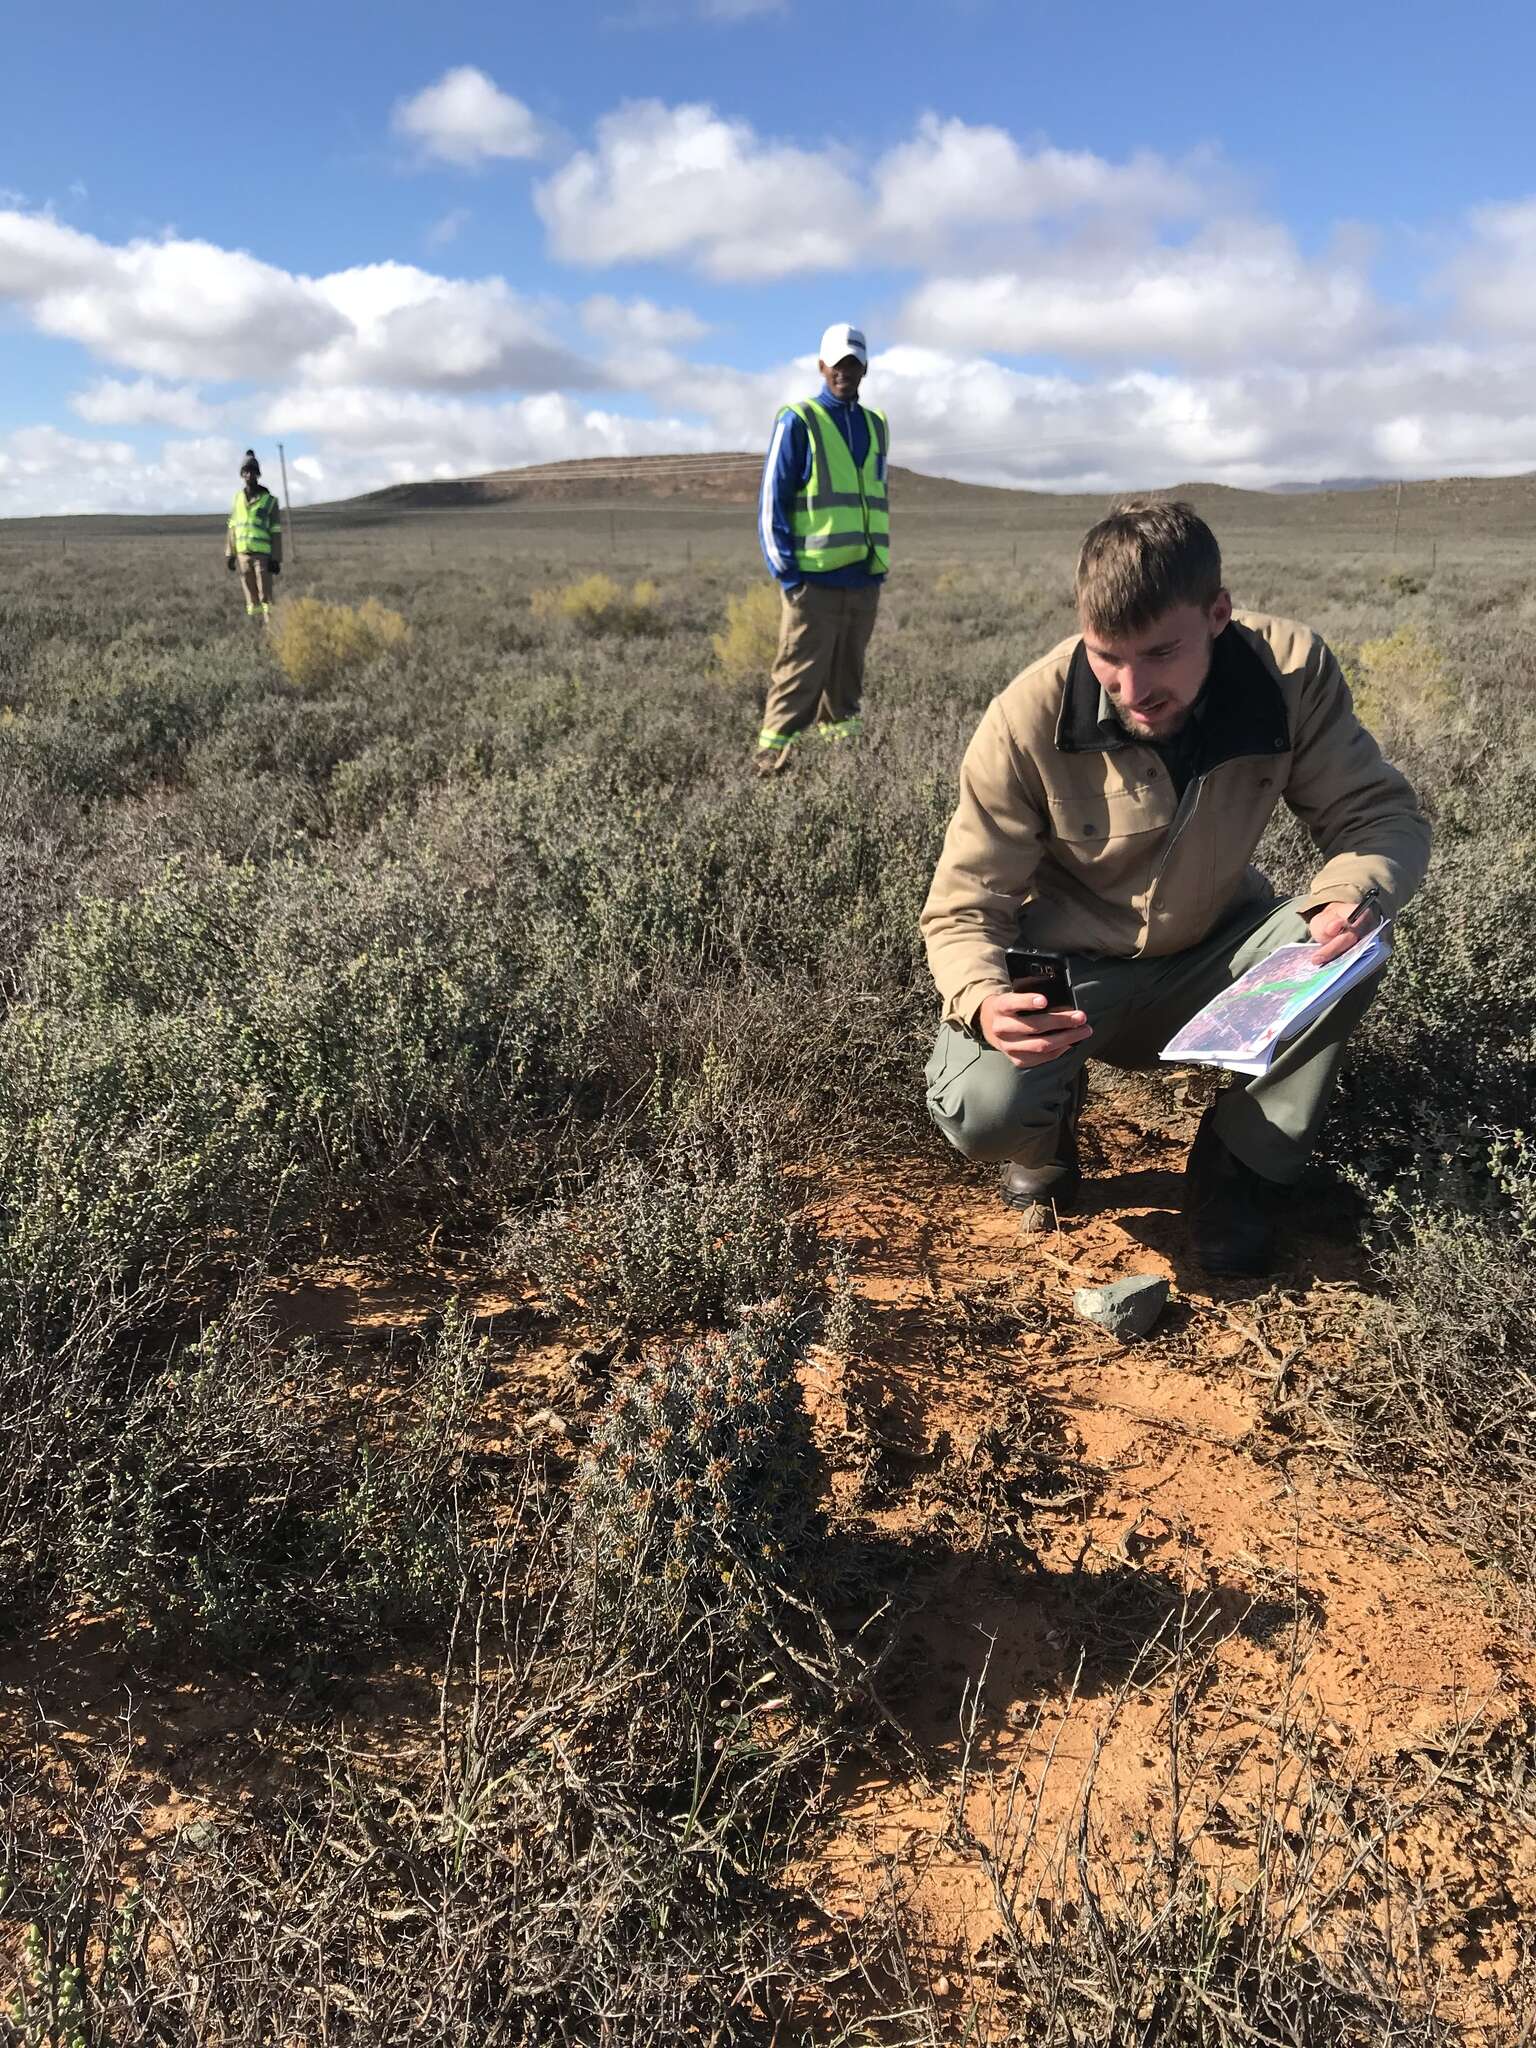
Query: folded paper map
(1246,1025)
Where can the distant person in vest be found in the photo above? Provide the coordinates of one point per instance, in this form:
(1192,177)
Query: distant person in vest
(254,543)
(825,527)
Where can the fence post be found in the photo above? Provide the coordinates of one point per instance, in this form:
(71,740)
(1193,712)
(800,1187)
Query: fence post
(282,461)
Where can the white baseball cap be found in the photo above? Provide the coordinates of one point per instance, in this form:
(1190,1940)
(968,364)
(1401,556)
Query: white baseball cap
(842,340)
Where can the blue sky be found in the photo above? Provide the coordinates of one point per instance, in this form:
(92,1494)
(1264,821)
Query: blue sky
(1093,248)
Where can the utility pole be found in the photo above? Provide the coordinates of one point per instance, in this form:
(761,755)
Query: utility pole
(1397,515)
(282,461)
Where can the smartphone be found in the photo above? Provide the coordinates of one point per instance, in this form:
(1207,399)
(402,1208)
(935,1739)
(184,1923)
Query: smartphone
(1034,973)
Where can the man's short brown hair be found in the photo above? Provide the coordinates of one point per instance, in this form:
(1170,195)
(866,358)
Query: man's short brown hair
(1149,555)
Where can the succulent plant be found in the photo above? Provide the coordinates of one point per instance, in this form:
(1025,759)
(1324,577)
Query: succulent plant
(700,1479)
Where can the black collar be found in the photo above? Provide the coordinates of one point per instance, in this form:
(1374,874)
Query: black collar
(1242,710)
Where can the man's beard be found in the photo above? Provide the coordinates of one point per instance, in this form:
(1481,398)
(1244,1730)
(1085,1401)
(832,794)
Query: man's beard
(1141,731)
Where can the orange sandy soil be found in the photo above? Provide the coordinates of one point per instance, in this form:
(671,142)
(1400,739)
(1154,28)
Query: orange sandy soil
(1093,1548)
(1220,1579)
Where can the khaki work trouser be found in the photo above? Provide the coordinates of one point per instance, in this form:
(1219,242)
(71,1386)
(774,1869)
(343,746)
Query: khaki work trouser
(818,672)
(256,575)
(990,1109)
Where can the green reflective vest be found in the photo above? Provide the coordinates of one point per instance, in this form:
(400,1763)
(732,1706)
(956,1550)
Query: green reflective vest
(252,523)
(841,513)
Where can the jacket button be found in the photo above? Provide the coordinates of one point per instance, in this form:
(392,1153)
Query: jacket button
(1265,781)
(1090,831)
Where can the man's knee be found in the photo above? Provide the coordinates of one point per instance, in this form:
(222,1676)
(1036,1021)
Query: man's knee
(987,1108)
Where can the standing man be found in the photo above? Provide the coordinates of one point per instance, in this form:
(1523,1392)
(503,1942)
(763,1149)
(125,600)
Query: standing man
(824,522)
(255,539)
(1109,804)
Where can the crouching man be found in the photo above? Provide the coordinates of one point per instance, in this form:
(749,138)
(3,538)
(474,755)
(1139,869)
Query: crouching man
(1110,803)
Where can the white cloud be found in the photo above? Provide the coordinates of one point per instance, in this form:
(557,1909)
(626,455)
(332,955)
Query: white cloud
(187,310)
(1236,291)
(639,321)
(45,471)
(170,308)
(143,403)
(952,174)
(1494,279)
(1410,411)
(467,119)
(405,326)
(739,10)
(684,183)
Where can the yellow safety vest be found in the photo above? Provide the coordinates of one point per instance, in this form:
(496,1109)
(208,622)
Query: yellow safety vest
(253,522)
(841,514)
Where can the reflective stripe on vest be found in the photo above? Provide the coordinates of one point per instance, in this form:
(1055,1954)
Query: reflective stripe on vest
(841,514)
(252,522)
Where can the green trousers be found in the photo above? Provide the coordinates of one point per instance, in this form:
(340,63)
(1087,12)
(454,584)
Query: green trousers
(989,1109)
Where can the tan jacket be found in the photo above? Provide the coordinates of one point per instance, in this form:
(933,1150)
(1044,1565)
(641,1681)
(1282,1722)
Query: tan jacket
(1068,829)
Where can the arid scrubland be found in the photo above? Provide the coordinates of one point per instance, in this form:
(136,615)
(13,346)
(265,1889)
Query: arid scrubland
(436,1083)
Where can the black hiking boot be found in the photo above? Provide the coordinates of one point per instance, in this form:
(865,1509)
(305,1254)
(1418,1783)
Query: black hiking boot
(1042,1193)
(1230,1209)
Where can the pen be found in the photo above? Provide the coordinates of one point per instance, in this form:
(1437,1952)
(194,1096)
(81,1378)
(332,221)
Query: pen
(1367,902)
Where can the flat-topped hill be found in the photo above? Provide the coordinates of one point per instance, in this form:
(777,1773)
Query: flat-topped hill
(695,487)
(729,478)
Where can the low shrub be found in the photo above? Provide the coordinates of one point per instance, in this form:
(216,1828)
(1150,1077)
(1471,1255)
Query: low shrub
(748,644)
(597,604)
(316,642)
(1459,1344)
(1402,680)
(197,1064)
(224,1504)
(656,1244)
(391,771)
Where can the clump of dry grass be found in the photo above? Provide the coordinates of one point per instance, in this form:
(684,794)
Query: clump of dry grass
(316,642)
(597,604)
(750,639)
(1402,679)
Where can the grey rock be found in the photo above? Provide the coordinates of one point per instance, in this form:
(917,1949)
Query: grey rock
(1126,1308)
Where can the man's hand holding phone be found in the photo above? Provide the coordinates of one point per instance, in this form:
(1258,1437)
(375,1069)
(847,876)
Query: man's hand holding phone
(1029,1034)
(1038,1022)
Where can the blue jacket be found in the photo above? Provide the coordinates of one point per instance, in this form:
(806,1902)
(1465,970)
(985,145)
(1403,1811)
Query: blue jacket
(788,468)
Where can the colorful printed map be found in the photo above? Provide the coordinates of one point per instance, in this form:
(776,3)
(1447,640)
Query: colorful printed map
(1275,999)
